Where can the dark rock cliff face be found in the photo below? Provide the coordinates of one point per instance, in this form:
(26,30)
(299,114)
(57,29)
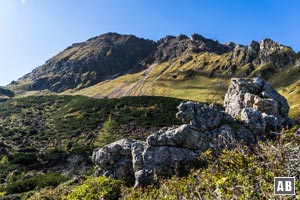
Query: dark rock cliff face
(111,55)
(6,92)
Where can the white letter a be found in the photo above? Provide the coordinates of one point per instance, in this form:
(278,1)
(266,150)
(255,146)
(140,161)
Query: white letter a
(280,186)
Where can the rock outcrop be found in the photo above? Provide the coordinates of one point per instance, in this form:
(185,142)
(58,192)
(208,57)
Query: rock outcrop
(169,149)
(252,109)
(256,103)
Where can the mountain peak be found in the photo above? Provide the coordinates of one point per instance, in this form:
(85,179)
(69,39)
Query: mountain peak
(198,37)
(87,63)
(270,44)
(110,55)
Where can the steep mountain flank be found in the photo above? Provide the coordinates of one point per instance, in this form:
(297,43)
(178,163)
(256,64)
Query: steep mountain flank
(87,63)
(202,76)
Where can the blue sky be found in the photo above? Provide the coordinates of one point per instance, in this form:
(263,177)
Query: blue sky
(32,31)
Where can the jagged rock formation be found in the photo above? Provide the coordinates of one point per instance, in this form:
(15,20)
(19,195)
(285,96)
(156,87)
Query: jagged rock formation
(269,51)
(112,55)
(171,47)
(252,109)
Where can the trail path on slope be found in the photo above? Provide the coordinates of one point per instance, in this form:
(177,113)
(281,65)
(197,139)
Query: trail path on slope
(141,82)
(163,71)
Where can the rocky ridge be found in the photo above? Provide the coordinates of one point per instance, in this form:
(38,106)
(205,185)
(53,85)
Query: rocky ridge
(112,55)
(171,47)
(253,110)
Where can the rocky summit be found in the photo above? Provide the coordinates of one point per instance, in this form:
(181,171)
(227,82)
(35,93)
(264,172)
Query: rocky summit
(252,110)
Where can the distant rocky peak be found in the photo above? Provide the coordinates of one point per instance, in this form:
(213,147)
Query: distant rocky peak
(197,37)
(269,44)
(109,35)
(166,39)
(87,63)
(182,37)
(254,45)
(171,47)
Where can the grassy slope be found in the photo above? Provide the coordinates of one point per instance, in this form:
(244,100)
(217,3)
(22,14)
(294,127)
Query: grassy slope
(172,79)
(287,83)
(191,81)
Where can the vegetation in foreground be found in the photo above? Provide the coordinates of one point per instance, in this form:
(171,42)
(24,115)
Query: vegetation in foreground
(239,173)
(31,171)
(45,135)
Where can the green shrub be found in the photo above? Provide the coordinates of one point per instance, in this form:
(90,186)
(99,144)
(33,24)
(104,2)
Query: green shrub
(96,188)
(4,160)
(34,182)
(23,158)
(108,133)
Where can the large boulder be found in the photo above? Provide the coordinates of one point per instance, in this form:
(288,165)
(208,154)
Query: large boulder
(252,108)
(169,150)
(256,103)
(115,159)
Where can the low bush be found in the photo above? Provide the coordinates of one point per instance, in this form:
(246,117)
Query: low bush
(23,158)
(96,188)
(34,182)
